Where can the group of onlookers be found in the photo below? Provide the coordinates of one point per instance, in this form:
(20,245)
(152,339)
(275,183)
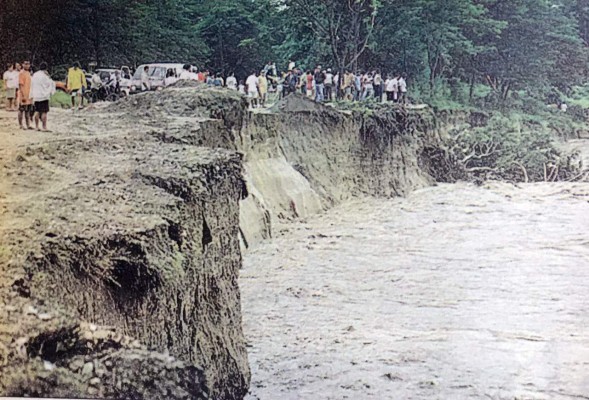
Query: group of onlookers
(188,73)
(324,85)
(319,84)
(28,93)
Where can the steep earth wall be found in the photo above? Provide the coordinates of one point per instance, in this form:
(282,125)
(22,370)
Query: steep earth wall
(110,222)
(302,159)
(120,235)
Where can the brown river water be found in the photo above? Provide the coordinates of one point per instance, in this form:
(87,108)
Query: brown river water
(455,292)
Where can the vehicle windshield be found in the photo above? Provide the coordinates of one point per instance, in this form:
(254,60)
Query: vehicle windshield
(158,72)
(155,72)
(104,75)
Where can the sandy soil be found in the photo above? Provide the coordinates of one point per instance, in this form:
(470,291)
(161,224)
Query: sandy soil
(456,292)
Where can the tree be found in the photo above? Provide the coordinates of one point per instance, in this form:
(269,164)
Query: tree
(345,26)
(540,48)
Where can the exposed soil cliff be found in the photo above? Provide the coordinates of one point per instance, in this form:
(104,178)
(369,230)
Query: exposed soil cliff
(105,223)
(120,234)
(302,158)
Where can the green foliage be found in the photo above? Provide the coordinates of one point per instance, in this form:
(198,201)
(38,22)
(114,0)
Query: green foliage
(476,52)
(60,100)
(515,147)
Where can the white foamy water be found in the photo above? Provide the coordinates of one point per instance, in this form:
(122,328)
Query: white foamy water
(456,292)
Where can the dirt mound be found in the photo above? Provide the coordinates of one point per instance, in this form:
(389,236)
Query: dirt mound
(186,83)
(185,99)
(296,103)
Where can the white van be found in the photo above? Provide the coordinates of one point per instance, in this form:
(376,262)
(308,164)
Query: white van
(157,75)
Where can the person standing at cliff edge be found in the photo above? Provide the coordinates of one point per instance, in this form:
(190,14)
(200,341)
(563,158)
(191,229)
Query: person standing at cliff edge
(252,89)
(263,89)
(402,89)
(42,88)
(232,82)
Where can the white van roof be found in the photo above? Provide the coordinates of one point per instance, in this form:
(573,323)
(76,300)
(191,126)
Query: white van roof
(163,65)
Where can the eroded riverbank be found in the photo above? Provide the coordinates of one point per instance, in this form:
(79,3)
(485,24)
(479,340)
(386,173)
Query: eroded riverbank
(455,292)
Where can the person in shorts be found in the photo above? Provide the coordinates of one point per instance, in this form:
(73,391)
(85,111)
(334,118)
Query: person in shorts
(252,89)
(76,84)
(263,89)
(25,108)
(42,88)
(11,86)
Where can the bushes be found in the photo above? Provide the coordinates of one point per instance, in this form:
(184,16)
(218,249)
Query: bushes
(512,147)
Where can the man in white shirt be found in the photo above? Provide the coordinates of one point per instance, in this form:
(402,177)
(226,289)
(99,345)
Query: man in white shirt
(42,88)
(378,86)
(291,65)
(402,89)
(95,82)
(391,88)
(252,89)
(232,82)
(185,75)
(328,85)
(145,82)
(11,86)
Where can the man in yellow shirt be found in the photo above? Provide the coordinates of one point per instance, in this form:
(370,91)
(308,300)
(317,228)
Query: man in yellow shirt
(76,84)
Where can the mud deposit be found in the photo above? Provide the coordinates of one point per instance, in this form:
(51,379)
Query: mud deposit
(455,292)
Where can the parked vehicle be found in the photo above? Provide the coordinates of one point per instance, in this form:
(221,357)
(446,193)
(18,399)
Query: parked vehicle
(104,93)
(157,75)
(122,77)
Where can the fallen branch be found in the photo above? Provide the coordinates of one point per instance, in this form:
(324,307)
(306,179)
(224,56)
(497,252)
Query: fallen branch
(575,178)
(481,169)
(524,171)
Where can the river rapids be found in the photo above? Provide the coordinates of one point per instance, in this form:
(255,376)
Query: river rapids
(455,292)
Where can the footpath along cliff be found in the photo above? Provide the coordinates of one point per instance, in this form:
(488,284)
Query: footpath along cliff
(121,232)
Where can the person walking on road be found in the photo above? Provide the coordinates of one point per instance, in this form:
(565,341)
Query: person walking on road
(25,108)
(76,84)
(42,88)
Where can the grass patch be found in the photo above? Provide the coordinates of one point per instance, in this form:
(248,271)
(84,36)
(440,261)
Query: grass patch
(2,95)
(61,100)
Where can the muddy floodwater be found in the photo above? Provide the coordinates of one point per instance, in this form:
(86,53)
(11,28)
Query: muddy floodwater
(456,292)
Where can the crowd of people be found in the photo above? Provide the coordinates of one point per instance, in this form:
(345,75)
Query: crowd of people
(28,94)
(319,84)
(324,85)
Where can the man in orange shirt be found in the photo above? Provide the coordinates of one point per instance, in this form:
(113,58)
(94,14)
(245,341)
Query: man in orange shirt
(26,102)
